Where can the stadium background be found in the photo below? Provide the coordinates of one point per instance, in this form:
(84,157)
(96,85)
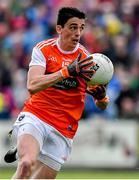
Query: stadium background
(106,140)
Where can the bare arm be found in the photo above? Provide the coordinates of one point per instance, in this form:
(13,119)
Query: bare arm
(37,80)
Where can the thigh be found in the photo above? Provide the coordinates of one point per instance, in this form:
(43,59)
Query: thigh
(27,147)
(28,141)
(28,133)
(27,123)
(56,149)
(42,171)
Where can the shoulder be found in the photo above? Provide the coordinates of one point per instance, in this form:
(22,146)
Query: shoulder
(83,50)
(46,43)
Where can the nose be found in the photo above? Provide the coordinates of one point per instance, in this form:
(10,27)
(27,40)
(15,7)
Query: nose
(78,32)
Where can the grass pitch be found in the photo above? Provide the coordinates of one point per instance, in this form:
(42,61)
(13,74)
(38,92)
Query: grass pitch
(99,174)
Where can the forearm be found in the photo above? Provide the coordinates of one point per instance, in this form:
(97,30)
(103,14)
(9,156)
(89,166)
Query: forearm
(37,80)
(42,82)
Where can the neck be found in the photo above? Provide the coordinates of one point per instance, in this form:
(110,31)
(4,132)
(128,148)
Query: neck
(64,45)
(64,48)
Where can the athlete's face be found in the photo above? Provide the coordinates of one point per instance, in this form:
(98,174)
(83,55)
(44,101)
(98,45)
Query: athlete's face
(71,32)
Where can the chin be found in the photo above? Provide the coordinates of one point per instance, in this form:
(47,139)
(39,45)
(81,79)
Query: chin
(74,45)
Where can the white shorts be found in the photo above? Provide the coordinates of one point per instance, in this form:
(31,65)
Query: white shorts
(54,147)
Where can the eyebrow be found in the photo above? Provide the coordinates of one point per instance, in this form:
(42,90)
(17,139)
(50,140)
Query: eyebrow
(74,24)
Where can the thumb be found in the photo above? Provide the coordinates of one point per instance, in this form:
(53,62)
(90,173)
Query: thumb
(79,56)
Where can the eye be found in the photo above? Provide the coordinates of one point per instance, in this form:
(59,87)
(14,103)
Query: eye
(82,28)
(73,28)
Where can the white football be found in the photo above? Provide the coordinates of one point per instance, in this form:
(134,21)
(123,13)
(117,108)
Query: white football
(104,70)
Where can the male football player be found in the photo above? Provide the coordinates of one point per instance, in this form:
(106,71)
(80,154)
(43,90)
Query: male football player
(57,76)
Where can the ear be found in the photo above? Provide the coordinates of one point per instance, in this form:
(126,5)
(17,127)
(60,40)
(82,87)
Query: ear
(58,29)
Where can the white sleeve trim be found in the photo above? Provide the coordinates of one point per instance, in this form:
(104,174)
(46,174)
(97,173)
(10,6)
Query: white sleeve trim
(37,58)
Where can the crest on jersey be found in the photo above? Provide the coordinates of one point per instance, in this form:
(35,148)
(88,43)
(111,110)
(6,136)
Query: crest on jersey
(52,58)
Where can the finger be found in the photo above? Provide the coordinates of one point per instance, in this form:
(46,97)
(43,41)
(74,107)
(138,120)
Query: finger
(100,91)
(89,64)
(86,59)
(94,93)
(85,77)
(101,88)
(106,86)
(90,71)
(79,56)
(90,92)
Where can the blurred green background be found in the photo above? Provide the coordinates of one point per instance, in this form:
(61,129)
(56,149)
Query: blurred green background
(74,174)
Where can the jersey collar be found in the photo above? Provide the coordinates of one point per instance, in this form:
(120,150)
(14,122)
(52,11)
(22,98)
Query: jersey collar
(66,52)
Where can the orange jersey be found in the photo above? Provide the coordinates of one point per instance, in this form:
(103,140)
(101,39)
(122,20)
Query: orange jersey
(61,105)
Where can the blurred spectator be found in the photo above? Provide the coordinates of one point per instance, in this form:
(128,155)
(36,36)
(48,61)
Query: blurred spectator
(19,87)
(112,29)
(127,105)
(7,103)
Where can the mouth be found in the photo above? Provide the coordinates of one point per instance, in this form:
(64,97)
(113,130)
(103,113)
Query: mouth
(75,41)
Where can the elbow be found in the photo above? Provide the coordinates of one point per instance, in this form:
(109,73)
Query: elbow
(31,89)
(34,88)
